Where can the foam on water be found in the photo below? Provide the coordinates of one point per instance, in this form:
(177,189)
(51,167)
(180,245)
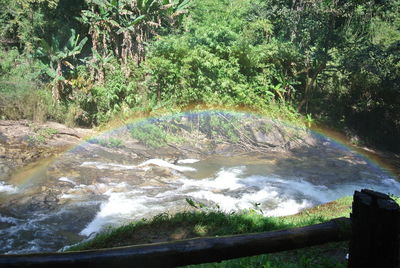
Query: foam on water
(144,166)
(123,206)
(65,179)
(230,189)
(291,187)
(232,192)
(226,179)
(227,189)
(6,188)
(9,220)
(188,161)
(109,166)
(119,205)
(163,163)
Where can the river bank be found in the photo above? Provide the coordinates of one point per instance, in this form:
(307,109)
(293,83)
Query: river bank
(23,142)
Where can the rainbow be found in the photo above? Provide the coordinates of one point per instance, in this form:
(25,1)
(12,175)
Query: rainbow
(371,157)
(36,171)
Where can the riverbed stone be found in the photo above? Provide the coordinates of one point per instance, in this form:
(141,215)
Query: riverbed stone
(50,199)
(162,171)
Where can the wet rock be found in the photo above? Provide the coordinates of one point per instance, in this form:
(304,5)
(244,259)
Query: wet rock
(273,134)
(268,139)
(39,199)
(153,182)
(51,199)
(3,138)
(107,180)
(224,148)
(336,163)
(4,169)
(162,171)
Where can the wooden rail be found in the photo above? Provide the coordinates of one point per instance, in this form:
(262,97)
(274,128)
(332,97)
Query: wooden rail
(192,251)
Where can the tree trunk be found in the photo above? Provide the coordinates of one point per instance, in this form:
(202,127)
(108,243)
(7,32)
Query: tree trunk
(310,81)
(94,36)
(126,51)
(58,84)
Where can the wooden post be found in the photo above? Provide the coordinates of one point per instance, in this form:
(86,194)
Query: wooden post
(375,231)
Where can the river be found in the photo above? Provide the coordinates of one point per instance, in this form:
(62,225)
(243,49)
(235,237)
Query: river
(63,200)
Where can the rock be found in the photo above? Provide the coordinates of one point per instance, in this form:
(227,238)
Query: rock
(260,136)
(153,182)
(336,163)
(272,138)
(50,199)
(224,148)
(3,138)
(162,171)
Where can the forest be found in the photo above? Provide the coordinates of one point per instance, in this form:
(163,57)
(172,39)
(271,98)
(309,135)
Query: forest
(85,62)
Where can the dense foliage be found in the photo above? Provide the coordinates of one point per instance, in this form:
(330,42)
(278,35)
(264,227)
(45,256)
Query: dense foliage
(85,61)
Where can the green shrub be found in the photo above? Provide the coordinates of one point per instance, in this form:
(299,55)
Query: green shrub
(111,142)
(153,135)
(22,95)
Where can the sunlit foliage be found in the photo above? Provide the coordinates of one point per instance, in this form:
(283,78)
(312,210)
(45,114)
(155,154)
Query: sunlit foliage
(335,61)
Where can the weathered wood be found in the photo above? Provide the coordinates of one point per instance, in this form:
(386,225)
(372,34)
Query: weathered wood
(193,251)
(375,221)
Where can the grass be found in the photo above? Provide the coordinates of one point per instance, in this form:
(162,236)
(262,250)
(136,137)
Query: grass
(205,223)
(304,258)
(41,134)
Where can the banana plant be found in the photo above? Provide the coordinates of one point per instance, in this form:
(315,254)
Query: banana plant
(97,64)
(175,8)
(127,28)
(58,55)
(124,26)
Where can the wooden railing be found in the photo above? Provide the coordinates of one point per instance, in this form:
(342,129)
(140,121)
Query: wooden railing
(192,251)
(363,246)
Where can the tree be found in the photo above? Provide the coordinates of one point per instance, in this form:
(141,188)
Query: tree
(123,27)
(314,28)
(57,55)
(24,22)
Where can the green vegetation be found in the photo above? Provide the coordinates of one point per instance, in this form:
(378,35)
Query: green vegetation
(315,257)
(41,134)
(85,62)
(211,128)
(208,222)
(153,135)
(110,142)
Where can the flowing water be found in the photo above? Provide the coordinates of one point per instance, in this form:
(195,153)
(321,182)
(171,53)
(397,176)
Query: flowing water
(61,201)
